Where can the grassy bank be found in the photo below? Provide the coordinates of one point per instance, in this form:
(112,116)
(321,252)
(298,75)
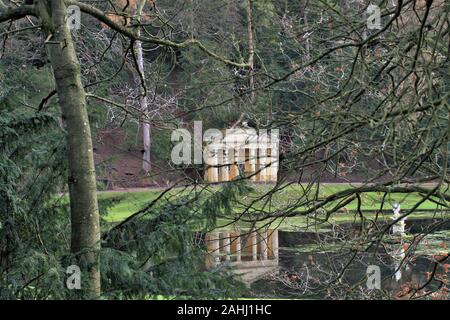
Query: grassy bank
(128,202)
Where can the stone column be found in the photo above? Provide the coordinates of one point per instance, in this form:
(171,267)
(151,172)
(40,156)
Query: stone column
(263,164)
(238,248)
(264,250)
(214,166)
(224,173)
(234,171)
(215,246)
(252,160)
(274,154)
(275,243)
(226,245)
(254,244)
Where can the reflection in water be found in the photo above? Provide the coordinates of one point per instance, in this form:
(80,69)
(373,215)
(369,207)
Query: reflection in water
(398,258)
(399,227)
(400,265)
(252,255)
(398,254)
(305,265)
(288,262)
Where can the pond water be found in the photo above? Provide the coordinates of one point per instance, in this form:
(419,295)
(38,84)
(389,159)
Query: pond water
(332,264)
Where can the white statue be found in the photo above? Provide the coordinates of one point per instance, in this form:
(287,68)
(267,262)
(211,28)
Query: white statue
(398,227)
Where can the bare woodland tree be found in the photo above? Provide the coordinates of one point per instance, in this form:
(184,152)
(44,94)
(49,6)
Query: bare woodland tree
(143,101)
(371,102)
(52,15)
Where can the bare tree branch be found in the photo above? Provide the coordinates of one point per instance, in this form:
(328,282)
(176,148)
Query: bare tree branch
(133,36)
(15,13)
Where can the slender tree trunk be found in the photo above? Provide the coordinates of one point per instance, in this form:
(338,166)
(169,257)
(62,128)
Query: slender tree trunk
(85,238)
(251,49)
(307,42)
(143,103)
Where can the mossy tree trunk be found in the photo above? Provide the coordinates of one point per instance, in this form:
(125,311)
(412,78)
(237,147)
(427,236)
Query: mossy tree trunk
(143,101)
(85,236)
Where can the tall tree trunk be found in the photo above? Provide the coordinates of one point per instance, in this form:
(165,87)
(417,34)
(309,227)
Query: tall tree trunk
(85,237)
(251,49)
(143,103)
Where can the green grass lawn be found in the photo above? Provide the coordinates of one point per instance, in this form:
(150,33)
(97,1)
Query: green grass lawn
(130,202)
(127,202)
